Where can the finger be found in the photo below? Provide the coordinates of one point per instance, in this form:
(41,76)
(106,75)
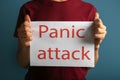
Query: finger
(99,36)
(28,39)
(96,30)
(98,21)
(25,40)
(27,18)
(99,25)
(28,35)
(25,35)
(27,22)
(24,30)
(96,16)
(100,30)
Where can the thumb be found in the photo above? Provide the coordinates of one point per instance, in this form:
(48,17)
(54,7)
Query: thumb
(27,18)
(96,16)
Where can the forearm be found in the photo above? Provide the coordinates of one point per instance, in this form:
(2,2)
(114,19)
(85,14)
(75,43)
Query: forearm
(96,56)
(23,55)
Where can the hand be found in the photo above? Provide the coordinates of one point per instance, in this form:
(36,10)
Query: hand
(25,32)
(99,31)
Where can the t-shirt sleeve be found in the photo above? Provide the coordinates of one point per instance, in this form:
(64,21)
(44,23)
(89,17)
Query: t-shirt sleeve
(92,13)
(23,11)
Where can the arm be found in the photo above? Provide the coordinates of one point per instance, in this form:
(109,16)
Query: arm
(23,54)
(24,38)
(96,56)
(99,34)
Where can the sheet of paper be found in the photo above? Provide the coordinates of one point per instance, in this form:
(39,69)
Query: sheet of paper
(66,44)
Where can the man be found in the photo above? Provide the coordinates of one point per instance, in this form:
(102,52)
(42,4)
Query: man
(55,10)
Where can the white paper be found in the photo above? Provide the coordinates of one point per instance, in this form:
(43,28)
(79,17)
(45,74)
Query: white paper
(63,43)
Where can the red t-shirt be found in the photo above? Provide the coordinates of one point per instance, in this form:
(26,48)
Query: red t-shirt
(48,10)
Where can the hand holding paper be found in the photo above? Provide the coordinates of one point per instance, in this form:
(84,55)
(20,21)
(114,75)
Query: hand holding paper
(100,31)
(25,31)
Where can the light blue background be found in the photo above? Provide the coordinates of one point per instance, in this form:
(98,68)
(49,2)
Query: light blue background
(108,67)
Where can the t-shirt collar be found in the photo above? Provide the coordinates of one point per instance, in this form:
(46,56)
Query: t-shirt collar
(53,2)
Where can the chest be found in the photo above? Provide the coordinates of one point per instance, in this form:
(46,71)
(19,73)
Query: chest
(60,13)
